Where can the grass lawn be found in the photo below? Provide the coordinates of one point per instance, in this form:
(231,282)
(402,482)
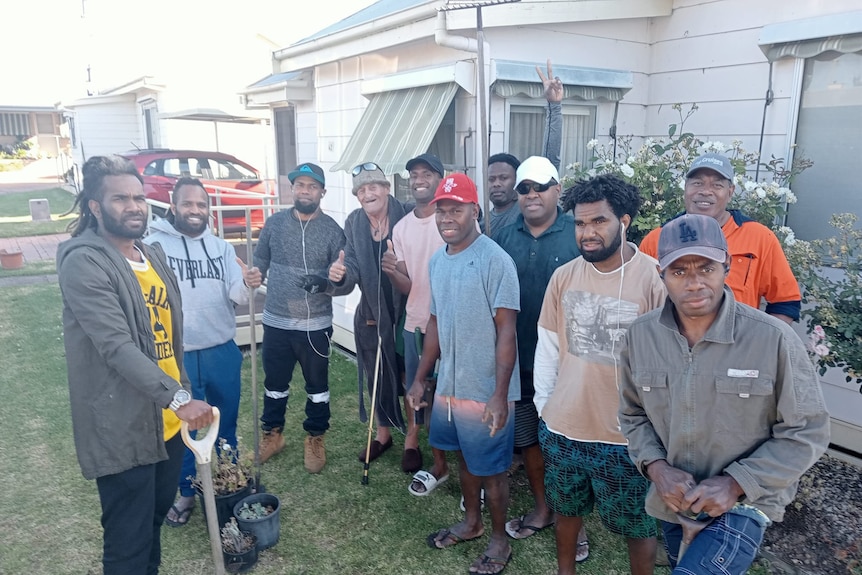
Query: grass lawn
(330,523)
(15,221)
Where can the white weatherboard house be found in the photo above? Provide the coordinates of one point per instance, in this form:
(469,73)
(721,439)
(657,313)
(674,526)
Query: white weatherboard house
(399,78)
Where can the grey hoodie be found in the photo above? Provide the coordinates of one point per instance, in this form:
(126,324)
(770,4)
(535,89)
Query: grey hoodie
(210,282)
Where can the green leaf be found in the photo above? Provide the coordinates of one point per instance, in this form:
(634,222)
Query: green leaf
(671,130)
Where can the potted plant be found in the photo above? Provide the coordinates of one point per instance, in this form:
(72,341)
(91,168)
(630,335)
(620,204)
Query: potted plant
(238,547)
(259,514)
(11,259)
(231,481)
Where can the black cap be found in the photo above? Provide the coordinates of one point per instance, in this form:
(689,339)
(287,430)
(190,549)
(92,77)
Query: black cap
(308,169)
(433,162)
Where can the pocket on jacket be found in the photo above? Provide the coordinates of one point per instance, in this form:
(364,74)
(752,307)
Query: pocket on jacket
(746,405)
(653,390)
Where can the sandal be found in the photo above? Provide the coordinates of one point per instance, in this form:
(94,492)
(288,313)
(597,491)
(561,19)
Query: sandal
(182,516)
(463,507)
(446,538)
(427,482)
(500,563)
(583,552)
(515,528)
(377,449)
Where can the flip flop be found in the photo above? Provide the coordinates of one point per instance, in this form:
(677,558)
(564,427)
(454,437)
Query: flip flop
(427,480)
(182,516)
(515,532)
(485,559)
(583,547)
(445,535)
(377,449)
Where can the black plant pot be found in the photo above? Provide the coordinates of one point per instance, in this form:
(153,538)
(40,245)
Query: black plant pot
(240,562)
(225,504)
(266,529)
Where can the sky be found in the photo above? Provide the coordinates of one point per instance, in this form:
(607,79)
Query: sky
(48,45)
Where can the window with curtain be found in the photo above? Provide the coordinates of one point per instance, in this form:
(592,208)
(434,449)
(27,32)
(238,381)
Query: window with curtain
(831,103)
(527,126)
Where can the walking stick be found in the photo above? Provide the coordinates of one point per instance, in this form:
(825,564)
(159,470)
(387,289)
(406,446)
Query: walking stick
(373,411)
(202,450)
(252,321)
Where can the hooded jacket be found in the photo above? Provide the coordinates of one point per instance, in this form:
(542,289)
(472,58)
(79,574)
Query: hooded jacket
(210,281)
(116,388)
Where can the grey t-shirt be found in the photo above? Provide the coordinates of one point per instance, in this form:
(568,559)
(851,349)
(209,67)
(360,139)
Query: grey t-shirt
(466,290)
(503,219)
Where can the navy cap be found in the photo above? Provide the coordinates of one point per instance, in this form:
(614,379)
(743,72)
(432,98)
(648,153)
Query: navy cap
(715,162)
(433,162)
(691,234)
(308,169)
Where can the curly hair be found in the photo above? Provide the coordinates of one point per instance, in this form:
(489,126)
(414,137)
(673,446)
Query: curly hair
(622,197)
(94,172)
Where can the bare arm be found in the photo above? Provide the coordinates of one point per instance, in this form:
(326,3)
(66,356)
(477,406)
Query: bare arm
(506,353)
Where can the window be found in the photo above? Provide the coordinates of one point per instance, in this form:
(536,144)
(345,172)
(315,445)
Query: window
(527,128)
(45,123)
(14,124)
(831,102)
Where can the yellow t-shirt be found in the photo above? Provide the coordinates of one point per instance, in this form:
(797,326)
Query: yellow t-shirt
(156,298)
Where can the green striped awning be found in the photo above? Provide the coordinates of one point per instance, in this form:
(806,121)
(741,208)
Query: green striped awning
(397,126)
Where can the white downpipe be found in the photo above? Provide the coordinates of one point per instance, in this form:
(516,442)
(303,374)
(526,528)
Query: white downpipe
(443,38)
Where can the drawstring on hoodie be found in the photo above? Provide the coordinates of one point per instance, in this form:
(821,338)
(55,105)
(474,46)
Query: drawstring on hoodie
(189,257)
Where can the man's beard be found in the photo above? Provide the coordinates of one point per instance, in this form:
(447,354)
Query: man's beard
(118,228)
(306,208)
(182,225)
(604,253)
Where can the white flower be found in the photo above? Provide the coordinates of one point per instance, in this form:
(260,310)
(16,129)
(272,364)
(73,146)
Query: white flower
(790,197)
(631,160)
(717,147)
(681,184)
(790,239)
(592,144)
(591,173)
(761,193)
(821,350)
(627,170)
(750,185)
(782,192)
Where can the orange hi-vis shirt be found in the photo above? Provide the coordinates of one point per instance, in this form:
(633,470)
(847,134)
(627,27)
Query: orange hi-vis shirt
(758,267)
(156,298)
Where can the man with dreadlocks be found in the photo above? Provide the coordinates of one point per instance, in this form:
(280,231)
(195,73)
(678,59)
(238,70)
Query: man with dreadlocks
(122,327)
(212,280)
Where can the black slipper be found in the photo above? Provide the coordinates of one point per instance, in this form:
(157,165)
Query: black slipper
(182,516)
(485,559)
(377,449)
(411,461)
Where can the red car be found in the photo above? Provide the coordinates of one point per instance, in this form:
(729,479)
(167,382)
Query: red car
(228,180)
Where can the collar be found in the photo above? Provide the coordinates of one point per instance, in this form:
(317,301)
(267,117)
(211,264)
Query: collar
(557,226)
(721,330)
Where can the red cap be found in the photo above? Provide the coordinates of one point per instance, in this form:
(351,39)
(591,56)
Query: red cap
(457,187)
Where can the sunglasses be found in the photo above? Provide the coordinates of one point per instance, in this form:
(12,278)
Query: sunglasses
(525,188)
(367,166)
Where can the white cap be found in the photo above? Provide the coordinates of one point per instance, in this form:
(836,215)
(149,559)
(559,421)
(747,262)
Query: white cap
(536,169)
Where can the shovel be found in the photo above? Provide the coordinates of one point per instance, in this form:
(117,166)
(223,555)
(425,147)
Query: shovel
(691,527)
(203,450)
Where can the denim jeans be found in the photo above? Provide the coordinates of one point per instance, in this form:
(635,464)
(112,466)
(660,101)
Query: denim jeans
(728,546)
(282,349)
(215,376)
(134,505)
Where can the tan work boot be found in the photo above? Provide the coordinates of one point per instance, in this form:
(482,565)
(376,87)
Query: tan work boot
(315,453)
(271,443)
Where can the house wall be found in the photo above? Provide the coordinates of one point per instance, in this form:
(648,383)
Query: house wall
(107,128)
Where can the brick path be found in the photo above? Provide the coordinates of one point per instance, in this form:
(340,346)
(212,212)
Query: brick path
(35,248)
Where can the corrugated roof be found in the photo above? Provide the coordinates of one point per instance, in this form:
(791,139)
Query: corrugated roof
(379,9)
(276,78)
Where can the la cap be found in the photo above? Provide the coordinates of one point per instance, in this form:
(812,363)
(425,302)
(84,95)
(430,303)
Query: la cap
(458,187)
(536,169)
(308,169)
(691,234)
(715,162)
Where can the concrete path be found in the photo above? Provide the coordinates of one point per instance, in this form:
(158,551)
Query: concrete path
(38,175)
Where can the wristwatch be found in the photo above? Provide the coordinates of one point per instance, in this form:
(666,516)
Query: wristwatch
(181,397)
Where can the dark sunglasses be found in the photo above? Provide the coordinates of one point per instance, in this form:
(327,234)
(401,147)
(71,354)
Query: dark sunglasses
(367,166)
(525,188)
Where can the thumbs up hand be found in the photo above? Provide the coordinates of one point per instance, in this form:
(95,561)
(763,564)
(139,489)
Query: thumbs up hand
(251,276)
(389,260)
(338,270)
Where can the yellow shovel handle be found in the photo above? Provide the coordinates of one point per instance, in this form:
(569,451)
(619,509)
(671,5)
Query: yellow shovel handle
(202,448)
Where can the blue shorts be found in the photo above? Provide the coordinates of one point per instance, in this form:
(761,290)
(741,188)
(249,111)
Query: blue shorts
(464,431)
